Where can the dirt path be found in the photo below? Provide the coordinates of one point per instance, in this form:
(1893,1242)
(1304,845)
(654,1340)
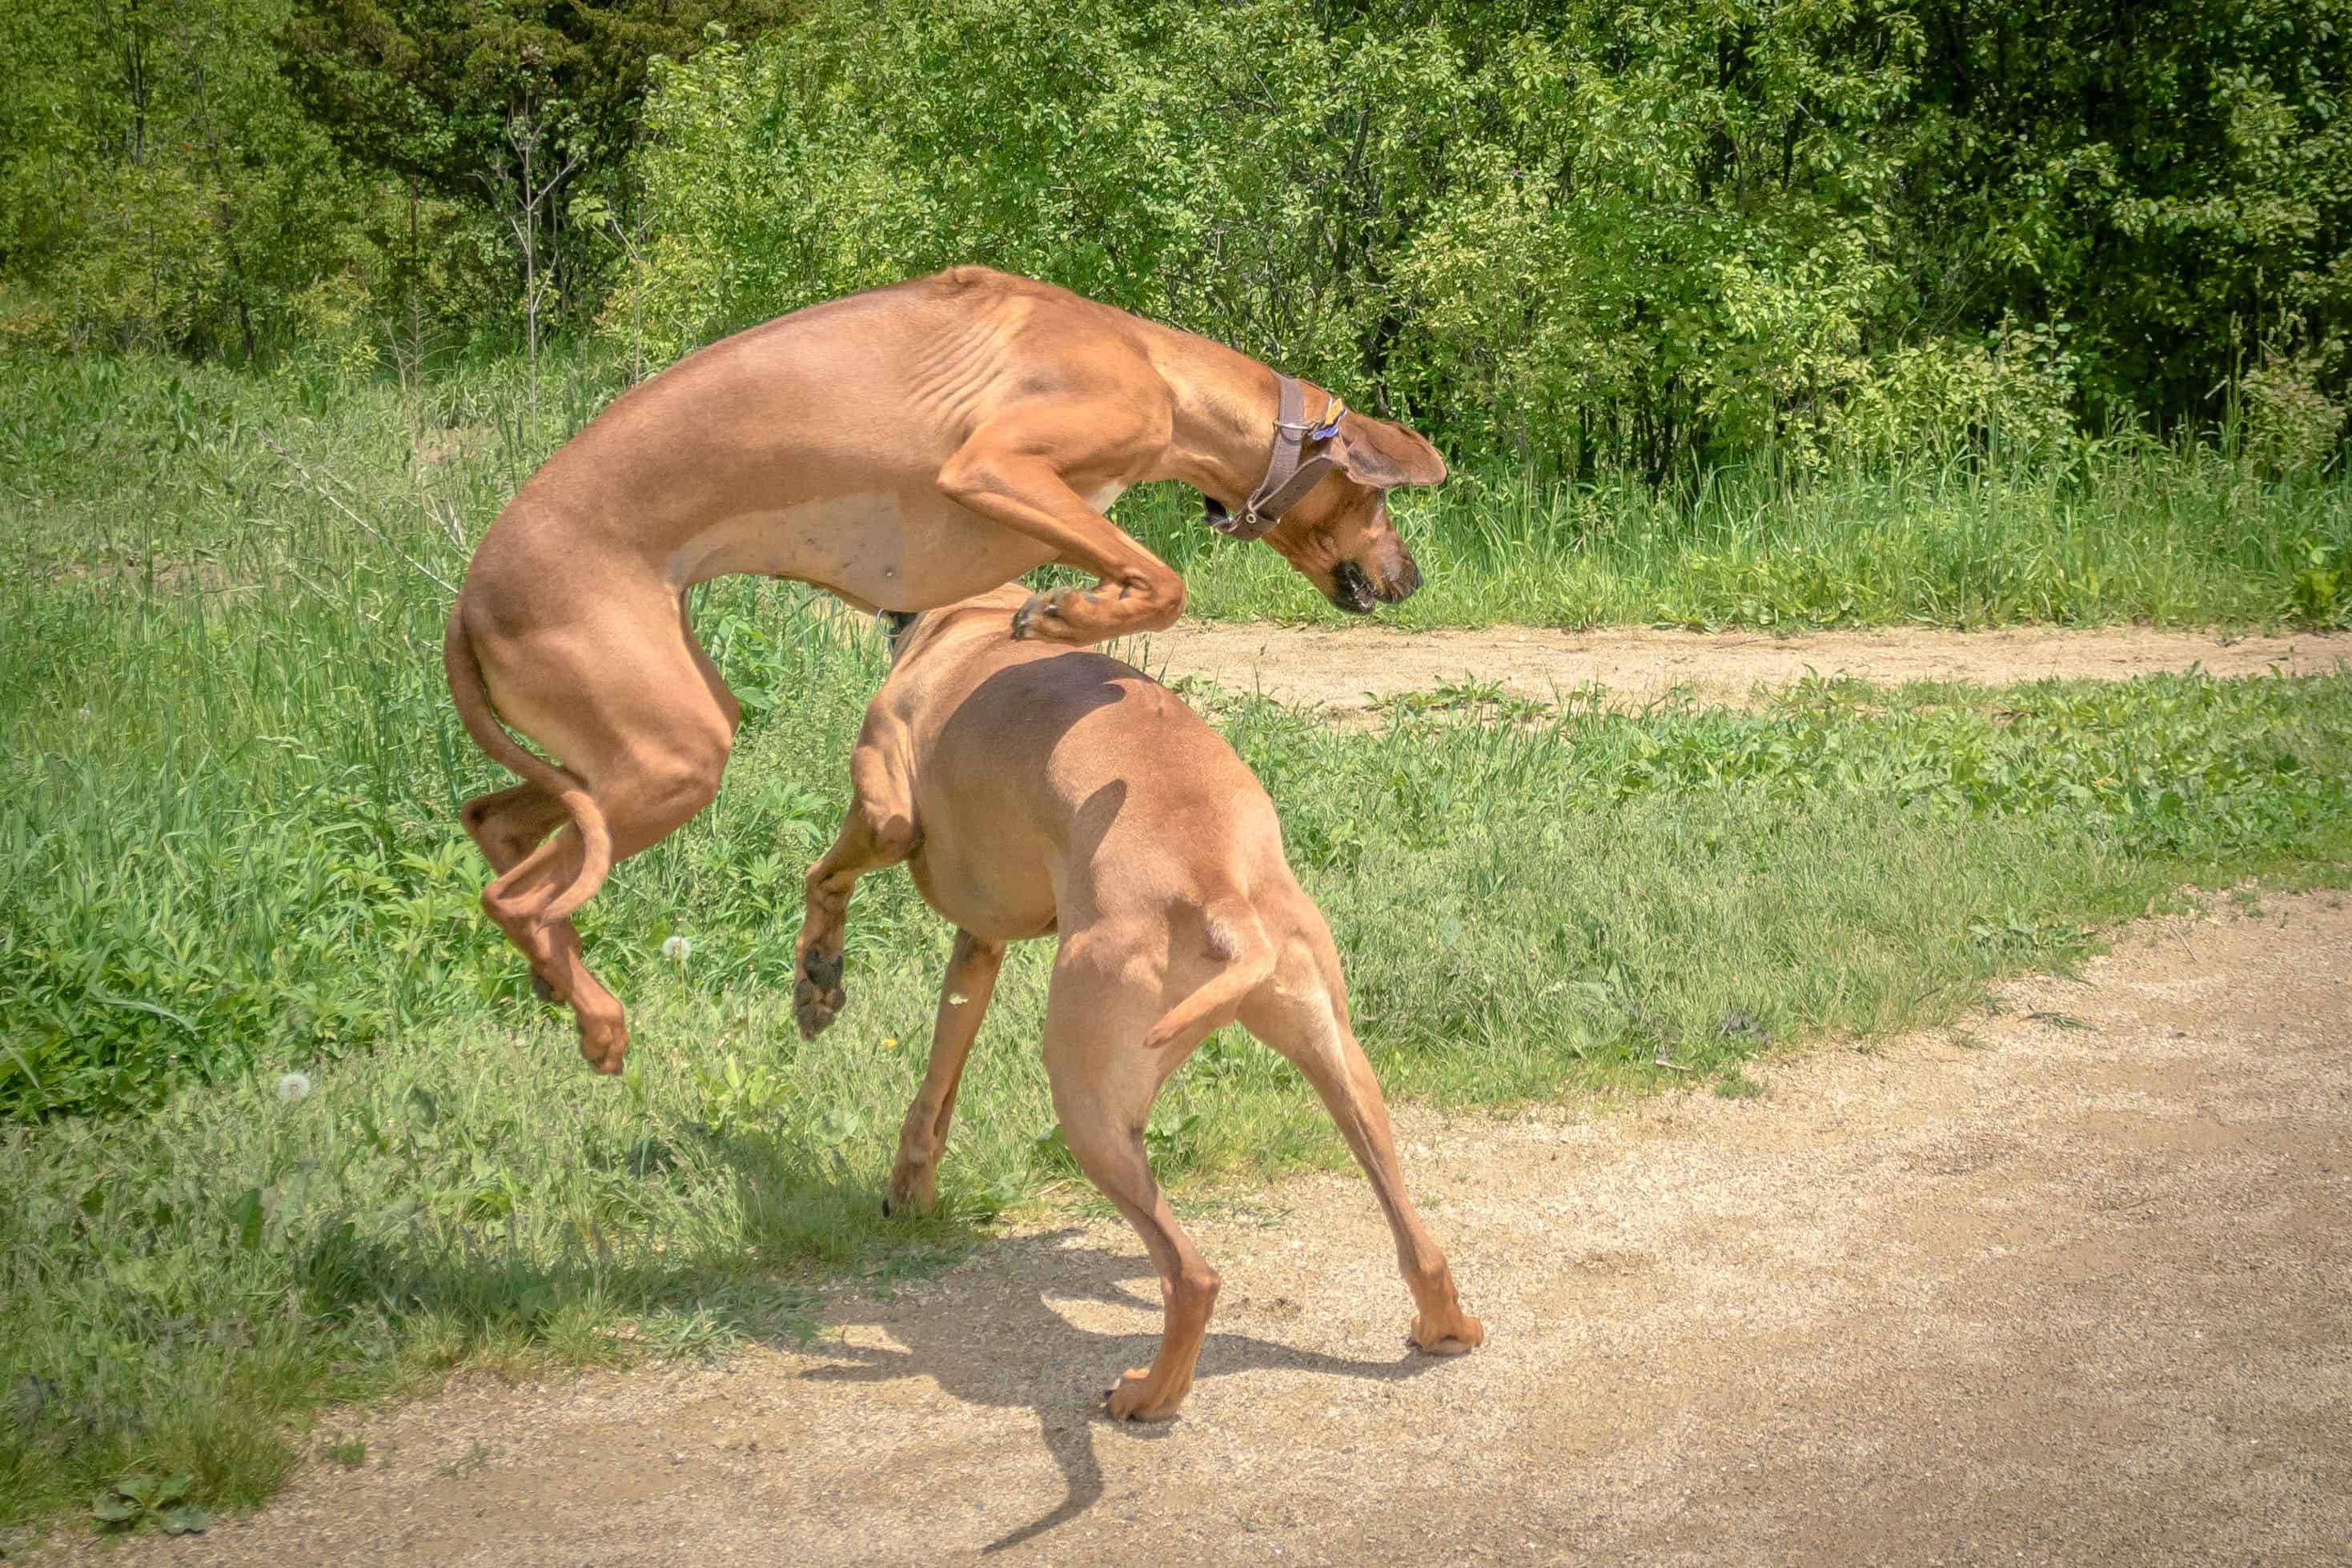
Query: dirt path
(1337,669)
(2076,1287)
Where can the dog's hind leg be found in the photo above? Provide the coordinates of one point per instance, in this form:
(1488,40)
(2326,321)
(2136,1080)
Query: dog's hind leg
(506,827)
(1306,1021)
(649,736)
(1103,1085)
(964,991)
(643,803)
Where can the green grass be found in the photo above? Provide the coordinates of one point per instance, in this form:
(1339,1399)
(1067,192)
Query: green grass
(132,467)
(2121,533)
(227,774)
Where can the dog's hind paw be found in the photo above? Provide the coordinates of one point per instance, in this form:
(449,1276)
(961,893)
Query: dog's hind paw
(1135,1397)
(1458,1335)
(912,1190)
(818,993)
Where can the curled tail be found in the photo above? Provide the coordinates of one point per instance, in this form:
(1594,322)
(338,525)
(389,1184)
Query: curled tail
(1236,934)
(472,696)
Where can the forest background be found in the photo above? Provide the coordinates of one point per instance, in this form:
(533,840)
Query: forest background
(1595,236)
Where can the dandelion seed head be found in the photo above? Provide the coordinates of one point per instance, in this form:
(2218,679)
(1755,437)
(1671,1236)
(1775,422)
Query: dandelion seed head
(293,1086)
(676,949)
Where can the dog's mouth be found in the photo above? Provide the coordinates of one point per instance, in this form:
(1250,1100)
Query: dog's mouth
(1353,590)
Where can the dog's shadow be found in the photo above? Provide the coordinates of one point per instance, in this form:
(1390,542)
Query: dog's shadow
(1062,1376)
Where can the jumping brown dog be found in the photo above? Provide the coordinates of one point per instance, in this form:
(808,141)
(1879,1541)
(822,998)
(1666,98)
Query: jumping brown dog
(901,448)
(1034,791)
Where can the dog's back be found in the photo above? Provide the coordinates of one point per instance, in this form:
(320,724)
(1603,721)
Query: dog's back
(1055,785)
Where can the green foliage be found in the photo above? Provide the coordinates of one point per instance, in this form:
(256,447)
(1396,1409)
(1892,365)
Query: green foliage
(157,190)
(1588,236)
(2175,180)
(241,176)
(1583,238)
(425,87)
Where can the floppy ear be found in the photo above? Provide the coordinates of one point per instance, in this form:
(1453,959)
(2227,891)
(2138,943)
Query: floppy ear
(1382,456)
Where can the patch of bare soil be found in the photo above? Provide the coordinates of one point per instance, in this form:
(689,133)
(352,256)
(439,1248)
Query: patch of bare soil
(1348,668)
(2075,1287)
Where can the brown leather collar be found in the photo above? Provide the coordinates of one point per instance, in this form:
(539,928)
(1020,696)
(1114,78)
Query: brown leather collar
(1288,472)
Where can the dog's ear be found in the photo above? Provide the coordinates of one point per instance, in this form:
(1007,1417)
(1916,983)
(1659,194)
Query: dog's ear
(1382,456)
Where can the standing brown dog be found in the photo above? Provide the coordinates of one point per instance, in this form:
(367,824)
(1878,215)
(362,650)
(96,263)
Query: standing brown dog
(1036,791)
(901,448)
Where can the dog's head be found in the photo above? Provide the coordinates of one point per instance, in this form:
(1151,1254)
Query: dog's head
(1337,535)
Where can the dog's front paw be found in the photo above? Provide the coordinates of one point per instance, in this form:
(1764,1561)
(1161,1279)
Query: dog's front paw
(1077,616)
(817,993)
(1036,618)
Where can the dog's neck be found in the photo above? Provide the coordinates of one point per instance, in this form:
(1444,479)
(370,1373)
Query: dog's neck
(1226,405)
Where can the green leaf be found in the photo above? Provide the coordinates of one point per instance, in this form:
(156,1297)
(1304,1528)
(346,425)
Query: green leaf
(186,1520)
(245,1214)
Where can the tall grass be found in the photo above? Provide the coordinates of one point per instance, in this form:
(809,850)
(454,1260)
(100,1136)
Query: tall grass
(228,775)
(2119,532)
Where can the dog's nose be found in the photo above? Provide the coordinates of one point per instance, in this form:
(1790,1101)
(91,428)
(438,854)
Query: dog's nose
(1402,585)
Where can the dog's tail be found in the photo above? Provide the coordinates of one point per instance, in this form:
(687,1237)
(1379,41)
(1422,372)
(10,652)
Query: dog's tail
(472,696)
(1236,935)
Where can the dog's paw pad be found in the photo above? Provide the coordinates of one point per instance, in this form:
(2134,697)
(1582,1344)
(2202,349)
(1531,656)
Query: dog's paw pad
(818,995)
(1040,607)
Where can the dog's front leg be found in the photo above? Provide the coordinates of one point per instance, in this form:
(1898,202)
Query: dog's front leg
(878,831)
(964,991)
(999,475)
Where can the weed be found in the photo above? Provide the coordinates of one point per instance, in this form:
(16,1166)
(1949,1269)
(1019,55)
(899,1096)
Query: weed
(479,1456)
(135,1500)
(351,1453)
(1737,1085)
